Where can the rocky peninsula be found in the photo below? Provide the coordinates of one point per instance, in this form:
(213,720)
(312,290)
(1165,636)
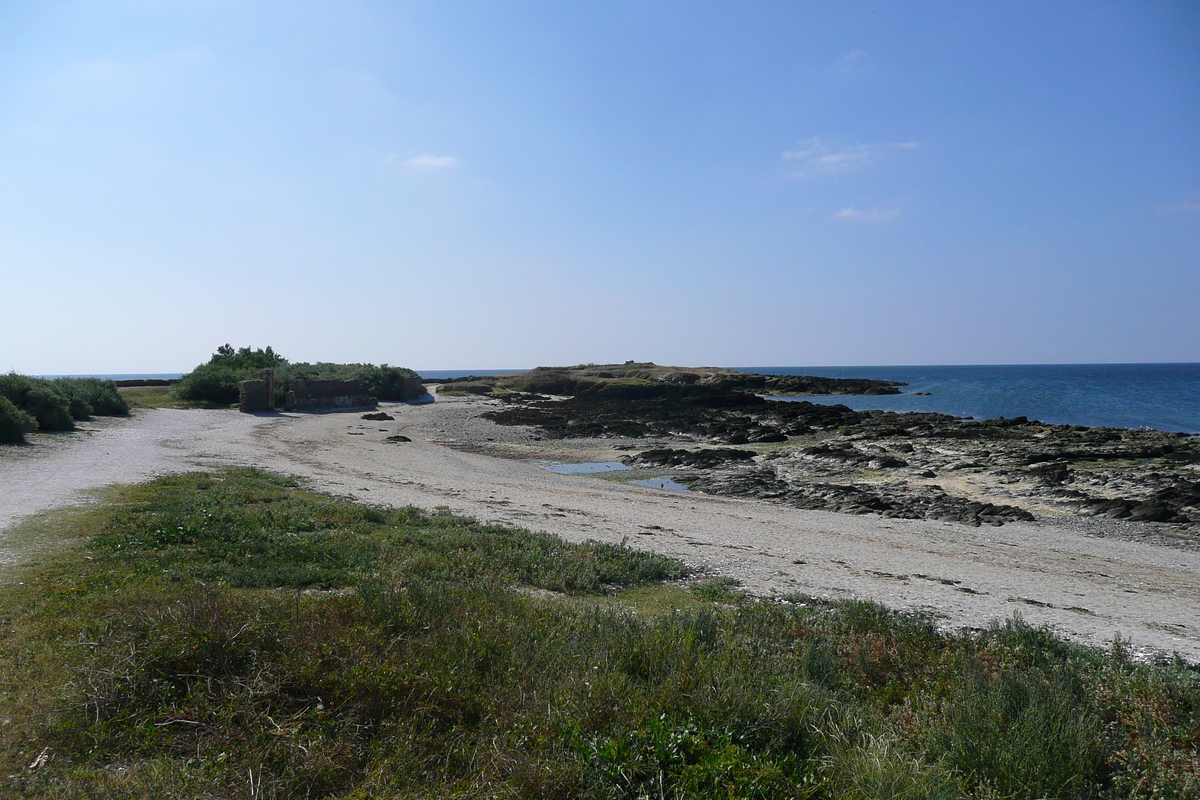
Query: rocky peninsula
(719,432)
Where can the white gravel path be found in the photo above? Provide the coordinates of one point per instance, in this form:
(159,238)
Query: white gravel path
(1087,588)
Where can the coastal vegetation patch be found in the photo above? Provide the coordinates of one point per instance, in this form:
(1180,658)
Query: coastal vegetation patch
(29,404)
(156,397)
(231,635)
(215,382)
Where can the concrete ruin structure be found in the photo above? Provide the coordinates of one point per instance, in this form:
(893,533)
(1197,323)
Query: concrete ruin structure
(414,388)
(322,395)
(257,396)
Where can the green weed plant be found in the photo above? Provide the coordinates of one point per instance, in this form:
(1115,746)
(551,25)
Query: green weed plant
(232,635)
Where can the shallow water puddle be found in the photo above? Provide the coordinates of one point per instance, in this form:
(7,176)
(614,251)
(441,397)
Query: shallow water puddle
(593,467)
(585,468)
(662,483)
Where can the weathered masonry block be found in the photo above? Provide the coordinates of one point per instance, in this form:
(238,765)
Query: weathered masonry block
(413,388)
(257,395)
(321,395)
(253,396)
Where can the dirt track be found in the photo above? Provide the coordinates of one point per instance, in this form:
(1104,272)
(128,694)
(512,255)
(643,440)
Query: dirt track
(1090,589)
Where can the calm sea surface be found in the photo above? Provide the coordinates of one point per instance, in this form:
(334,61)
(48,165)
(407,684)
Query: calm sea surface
(1162,396)
(141,376)
(430,374)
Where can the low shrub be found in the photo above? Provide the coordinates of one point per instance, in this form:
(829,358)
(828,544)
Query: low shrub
(37,398)
(96,396)
(52,411)
(55,404)
(386,383)
(213,384)
(14,423)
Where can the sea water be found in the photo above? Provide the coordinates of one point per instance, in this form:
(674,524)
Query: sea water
(666,484)
(1161,396)
(123,376)
(447,374)
(586,468)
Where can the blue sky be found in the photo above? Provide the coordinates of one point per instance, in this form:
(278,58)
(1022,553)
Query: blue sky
(490,185)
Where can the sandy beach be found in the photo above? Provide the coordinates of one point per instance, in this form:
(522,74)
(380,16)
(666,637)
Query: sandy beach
(1087,588)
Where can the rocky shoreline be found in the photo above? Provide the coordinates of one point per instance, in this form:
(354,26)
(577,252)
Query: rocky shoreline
(725,438)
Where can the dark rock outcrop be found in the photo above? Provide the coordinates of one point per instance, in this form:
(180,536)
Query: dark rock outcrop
(881,462)
(887,500)
(679,457)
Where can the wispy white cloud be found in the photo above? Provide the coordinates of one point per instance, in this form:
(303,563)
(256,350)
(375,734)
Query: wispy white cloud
(851,63)
(1189,206)
(816,157)
(871,215)
(424,162)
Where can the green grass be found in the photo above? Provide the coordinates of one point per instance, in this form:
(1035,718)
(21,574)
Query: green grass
(158,397)
(231,635)
(720,588)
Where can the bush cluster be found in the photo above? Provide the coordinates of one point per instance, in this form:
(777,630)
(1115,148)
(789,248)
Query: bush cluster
(379,381)
(91,396)
(216,382)
(14,423)
(54,405)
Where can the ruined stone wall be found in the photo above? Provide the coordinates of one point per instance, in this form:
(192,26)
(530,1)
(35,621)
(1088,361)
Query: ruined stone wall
(413,388)
(254,396)
(257,395)
(321,395)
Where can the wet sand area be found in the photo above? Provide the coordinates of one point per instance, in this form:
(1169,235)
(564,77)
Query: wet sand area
(1088,588)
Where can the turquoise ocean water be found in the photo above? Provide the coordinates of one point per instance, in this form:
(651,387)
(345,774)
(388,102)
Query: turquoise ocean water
(1161,396)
